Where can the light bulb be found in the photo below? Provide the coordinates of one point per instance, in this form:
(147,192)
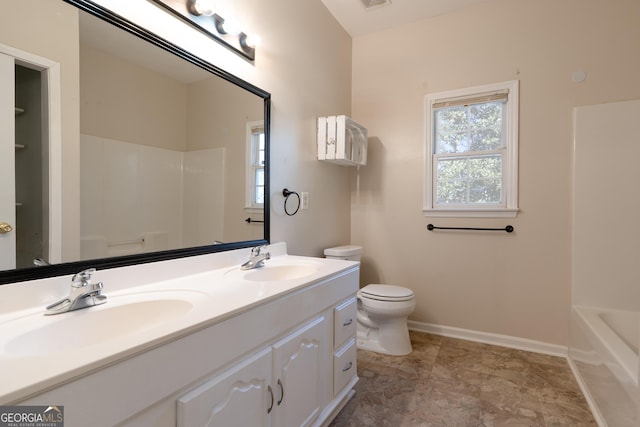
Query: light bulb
(203,7)
(253,40)
(231,26)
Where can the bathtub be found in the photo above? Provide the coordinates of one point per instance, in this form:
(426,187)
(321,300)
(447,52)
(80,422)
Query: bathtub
(604,352)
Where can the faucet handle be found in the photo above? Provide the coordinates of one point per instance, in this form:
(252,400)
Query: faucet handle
(255,251)
(83,278)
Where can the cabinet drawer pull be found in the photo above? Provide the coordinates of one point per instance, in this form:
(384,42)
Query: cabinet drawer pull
(281,392)
(348,322)
(346,368)
(270,390)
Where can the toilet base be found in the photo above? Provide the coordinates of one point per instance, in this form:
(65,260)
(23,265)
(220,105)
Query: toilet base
(391,341)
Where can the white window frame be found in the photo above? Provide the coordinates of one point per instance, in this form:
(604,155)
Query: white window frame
(251,168)
(509,207)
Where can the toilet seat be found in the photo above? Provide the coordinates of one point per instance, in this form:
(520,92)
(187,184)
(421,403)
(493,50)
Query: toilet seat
(386,293)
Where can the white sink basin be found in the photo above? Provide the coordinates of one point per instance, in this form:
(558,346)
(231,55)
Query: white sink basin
(120,317)
(276,271)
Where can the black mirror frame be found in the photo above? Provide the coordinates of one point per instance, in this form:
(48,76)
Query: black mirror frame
(20,275)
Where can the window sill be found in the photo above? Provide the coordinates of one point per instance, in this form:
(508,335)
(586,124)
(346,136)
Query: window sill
(471,213)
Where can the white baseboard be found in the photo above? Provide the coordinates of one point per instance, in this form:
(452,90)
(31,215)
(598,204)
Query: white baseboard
(489,338)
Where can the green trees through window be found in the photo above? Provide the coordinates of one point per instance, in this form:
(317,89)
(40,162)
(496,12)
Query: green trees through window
(468,158)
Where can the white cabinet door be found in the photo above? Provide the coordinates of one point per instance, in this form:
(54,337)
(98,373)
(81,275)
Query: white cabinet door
(7,164)
(241,396)
(299,375)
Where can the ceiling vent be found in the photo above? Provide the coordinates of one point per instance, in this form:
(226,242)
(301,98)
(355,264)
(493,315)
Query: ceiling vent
(371,4)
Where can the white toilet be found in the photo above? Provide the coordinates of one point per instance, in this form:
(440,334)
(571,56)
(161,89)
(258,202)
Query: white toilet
(382,311)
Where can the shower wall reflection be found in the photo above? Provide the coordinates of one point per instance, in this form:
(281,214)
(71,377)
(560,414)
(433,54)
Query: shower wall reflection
(153,169)
(138,199)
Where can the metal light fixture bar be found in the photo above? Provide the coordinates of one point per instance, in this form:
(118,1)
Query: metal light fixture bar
(211,24)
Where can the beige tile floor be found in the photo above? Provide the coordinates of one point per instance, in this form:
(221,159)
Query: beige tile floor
(450,382)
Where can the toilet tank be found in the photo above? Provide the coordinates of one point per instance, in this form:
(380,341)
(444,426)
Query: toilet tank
(349,252)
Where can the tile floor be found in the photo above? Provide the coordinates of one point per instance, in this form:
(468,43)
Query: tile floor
(450,382)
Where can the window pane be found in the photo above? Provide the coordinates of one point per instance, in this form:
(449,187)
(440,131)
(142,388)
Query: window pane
(451,191)
(485,191)
(259,195)
(452,180)
(485,115)
(449,142)
(485,167)
(485,185)
(464,180)
(463,128)
(259,187)
(259,177)
(486,139)
(452,168)
(451,119)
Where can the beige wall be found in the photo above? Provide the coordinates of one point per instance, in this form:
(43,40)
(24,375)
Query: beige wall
(126,102)
(517,284)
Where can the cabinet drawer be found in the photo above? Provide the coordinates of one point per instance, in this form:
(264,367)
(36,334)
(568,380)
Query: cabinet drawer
(344,322)
(344,366)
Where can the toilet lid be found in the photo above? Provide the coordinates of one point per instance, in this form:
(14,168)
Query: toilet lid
(387,292)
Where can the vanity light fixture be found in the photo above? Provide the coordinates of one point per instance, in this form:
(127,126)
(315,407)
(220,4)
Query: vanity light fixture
(203,15)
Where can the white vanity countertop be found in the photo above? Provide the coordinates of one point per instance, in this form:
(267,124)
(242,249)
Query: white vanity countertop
(142,312)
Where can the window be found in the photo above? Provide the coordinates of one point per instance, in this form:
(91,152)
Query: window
(471,162)
(255,165)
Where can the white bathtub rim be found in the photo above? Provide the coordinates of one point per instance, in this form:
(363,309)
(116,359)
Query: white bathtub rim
(608,341)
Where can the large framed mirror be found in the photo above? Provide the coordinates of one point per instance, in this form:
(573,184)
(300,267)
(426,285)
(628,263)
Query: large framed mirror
(168,153)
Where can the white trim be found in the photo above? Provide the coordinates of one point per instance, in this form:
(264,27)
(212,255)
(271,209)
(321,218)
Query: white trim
(510,165)
(475,213)
(490,338)
(54,120)
(51,73)
(595,411)
(249,170)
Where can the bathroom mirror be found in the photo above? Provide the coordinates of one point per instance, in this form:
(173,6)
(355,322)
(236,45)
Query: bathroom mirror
(173,153)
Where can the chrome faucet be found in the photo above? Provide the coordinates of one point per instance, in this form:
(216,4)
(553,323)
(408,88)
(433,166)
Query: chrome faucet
(257,258)
(83,294)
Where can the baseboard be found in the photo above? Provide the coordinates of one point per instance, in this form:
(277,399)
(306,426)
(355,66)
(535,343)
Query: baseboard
(489,338)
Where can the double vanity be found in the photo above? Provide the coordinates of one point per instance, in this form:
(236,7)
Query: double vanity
(189,342)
